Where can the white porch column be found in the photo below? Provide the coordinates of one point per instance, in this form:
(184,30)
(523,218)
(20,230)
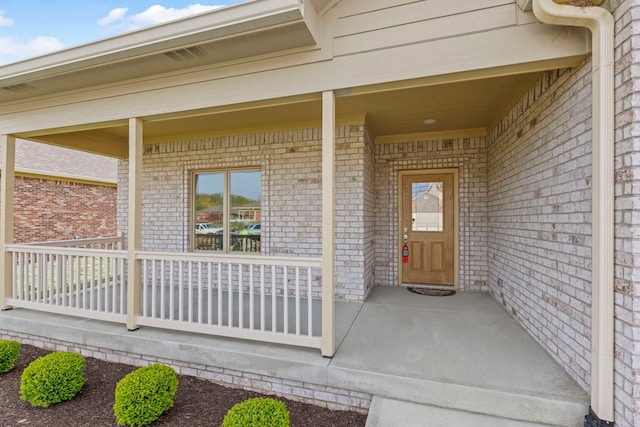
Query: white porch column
(6,218)
(134,222)
(328,222)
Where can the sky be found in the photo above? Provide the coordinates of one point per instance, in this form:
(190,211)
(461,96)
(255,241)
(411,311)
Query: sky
(30,28)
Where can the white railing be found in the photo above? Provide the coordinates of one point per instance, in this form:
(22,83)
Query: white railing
(272,299)
(261,298)
(80,282)
(115,243)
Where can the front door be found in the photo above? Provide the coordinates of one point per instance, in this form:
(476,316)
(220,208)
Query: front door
(427,227)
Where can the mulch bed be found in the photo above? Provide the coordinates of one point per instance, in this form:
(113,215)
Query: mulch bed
(197,402)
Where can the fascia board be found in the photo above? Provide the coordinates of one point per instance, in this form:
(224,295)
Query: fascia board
(217,24)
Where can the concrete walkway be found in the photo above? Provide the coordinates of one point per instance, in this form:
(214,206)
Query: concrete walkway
(428,361)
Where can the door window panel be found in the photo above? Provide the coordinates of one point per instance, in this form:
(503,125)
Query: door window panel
(426,206)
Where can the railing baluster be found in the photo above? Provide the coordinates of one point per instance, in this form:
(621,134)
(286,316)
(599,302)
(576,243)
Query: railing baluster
(297,300)
(145,283)
(262,304)
(153,289)
(200,292)
(219,293)
(76,286)
(251,305)
(121,279)
(92,283)
(18,275)
(70,280)
(113,285)
(171,290)
(162,292)
(190,291)
(15,275)
(309,304)
(63,281)
(180,295)
(274,320)
(32,278)
(209,295)
(240,299)
(230,295)
(42,271)
(285,299)
(99,303)
(85,272)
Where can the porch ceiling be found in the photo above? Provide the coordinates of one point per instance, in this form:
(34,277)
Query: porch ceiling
(465,108)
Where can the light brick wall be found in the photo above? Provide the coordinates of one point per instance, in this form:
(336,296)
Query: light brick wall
(540,216)
(552,296)
(369,220)
(47,209)
(627,220)
(291,164)
(469,155)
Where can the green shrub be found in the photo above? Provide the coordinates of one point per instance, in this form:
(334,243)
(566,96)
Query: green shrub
(52,378)
(9,352)
(145,394)
(257,412)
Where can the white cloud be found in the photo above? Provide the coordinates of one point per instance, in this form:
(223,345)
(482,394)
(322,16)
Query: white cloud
(113,16)
(13,50)
(155,14)
(4,21)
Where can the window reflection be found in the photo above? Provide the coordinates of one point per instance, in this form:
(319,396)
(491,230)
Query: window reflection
(426,206)
(227,200)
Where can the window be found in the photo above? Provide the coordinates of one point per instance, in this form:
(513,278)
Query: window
(426,209)
(227,210)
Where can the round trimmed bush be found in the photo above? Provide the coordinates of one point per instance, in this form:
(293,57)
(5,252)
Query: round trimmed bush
(9,352)
(145,394)
(52,378)
(259,411)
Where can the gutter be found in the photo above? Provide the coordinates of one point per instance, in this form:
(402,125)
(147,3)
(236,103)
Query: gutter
(601,23)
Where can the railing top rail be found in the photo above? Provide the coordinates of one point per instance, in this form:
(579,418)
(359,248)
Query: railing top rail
(232,258)
(54,250)
(76,242)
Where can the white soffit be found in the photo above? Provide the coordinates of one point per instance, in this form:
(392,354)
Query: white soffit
(230,33)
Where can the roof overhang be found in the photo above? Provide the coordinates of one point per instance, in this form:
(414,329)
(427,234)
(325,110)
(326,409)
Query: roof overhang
(226,34)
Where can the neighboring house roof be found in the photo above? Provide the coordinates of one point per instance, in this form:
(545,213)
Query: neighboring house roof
(33,158)
(212,209)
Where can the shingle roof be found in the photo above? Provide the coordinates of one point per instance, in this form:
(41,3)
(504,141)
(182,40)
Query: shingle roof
(51,160)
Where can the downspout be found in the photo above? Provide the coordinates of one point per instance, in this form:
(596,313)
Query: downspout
(601,23)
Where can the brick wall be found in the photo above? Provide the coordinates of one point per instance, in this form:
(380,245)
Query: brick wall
(540,215)
(291,164)
(627,219)
(539,201)
(46,209)
(469,155)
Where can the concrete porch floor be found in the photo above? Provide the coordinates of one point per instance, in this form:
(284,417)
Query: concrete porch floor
(428,361)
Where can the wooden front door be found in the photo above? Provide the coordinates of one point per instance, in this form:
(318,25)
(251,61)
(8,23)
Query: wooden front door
(427,228)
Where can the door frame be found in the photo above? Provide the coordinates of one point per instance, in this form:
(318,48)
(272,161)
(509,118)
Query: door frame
(456,222)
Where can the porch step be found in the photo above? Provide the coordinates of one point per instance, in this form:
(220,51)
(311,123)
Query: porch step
(386,412)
